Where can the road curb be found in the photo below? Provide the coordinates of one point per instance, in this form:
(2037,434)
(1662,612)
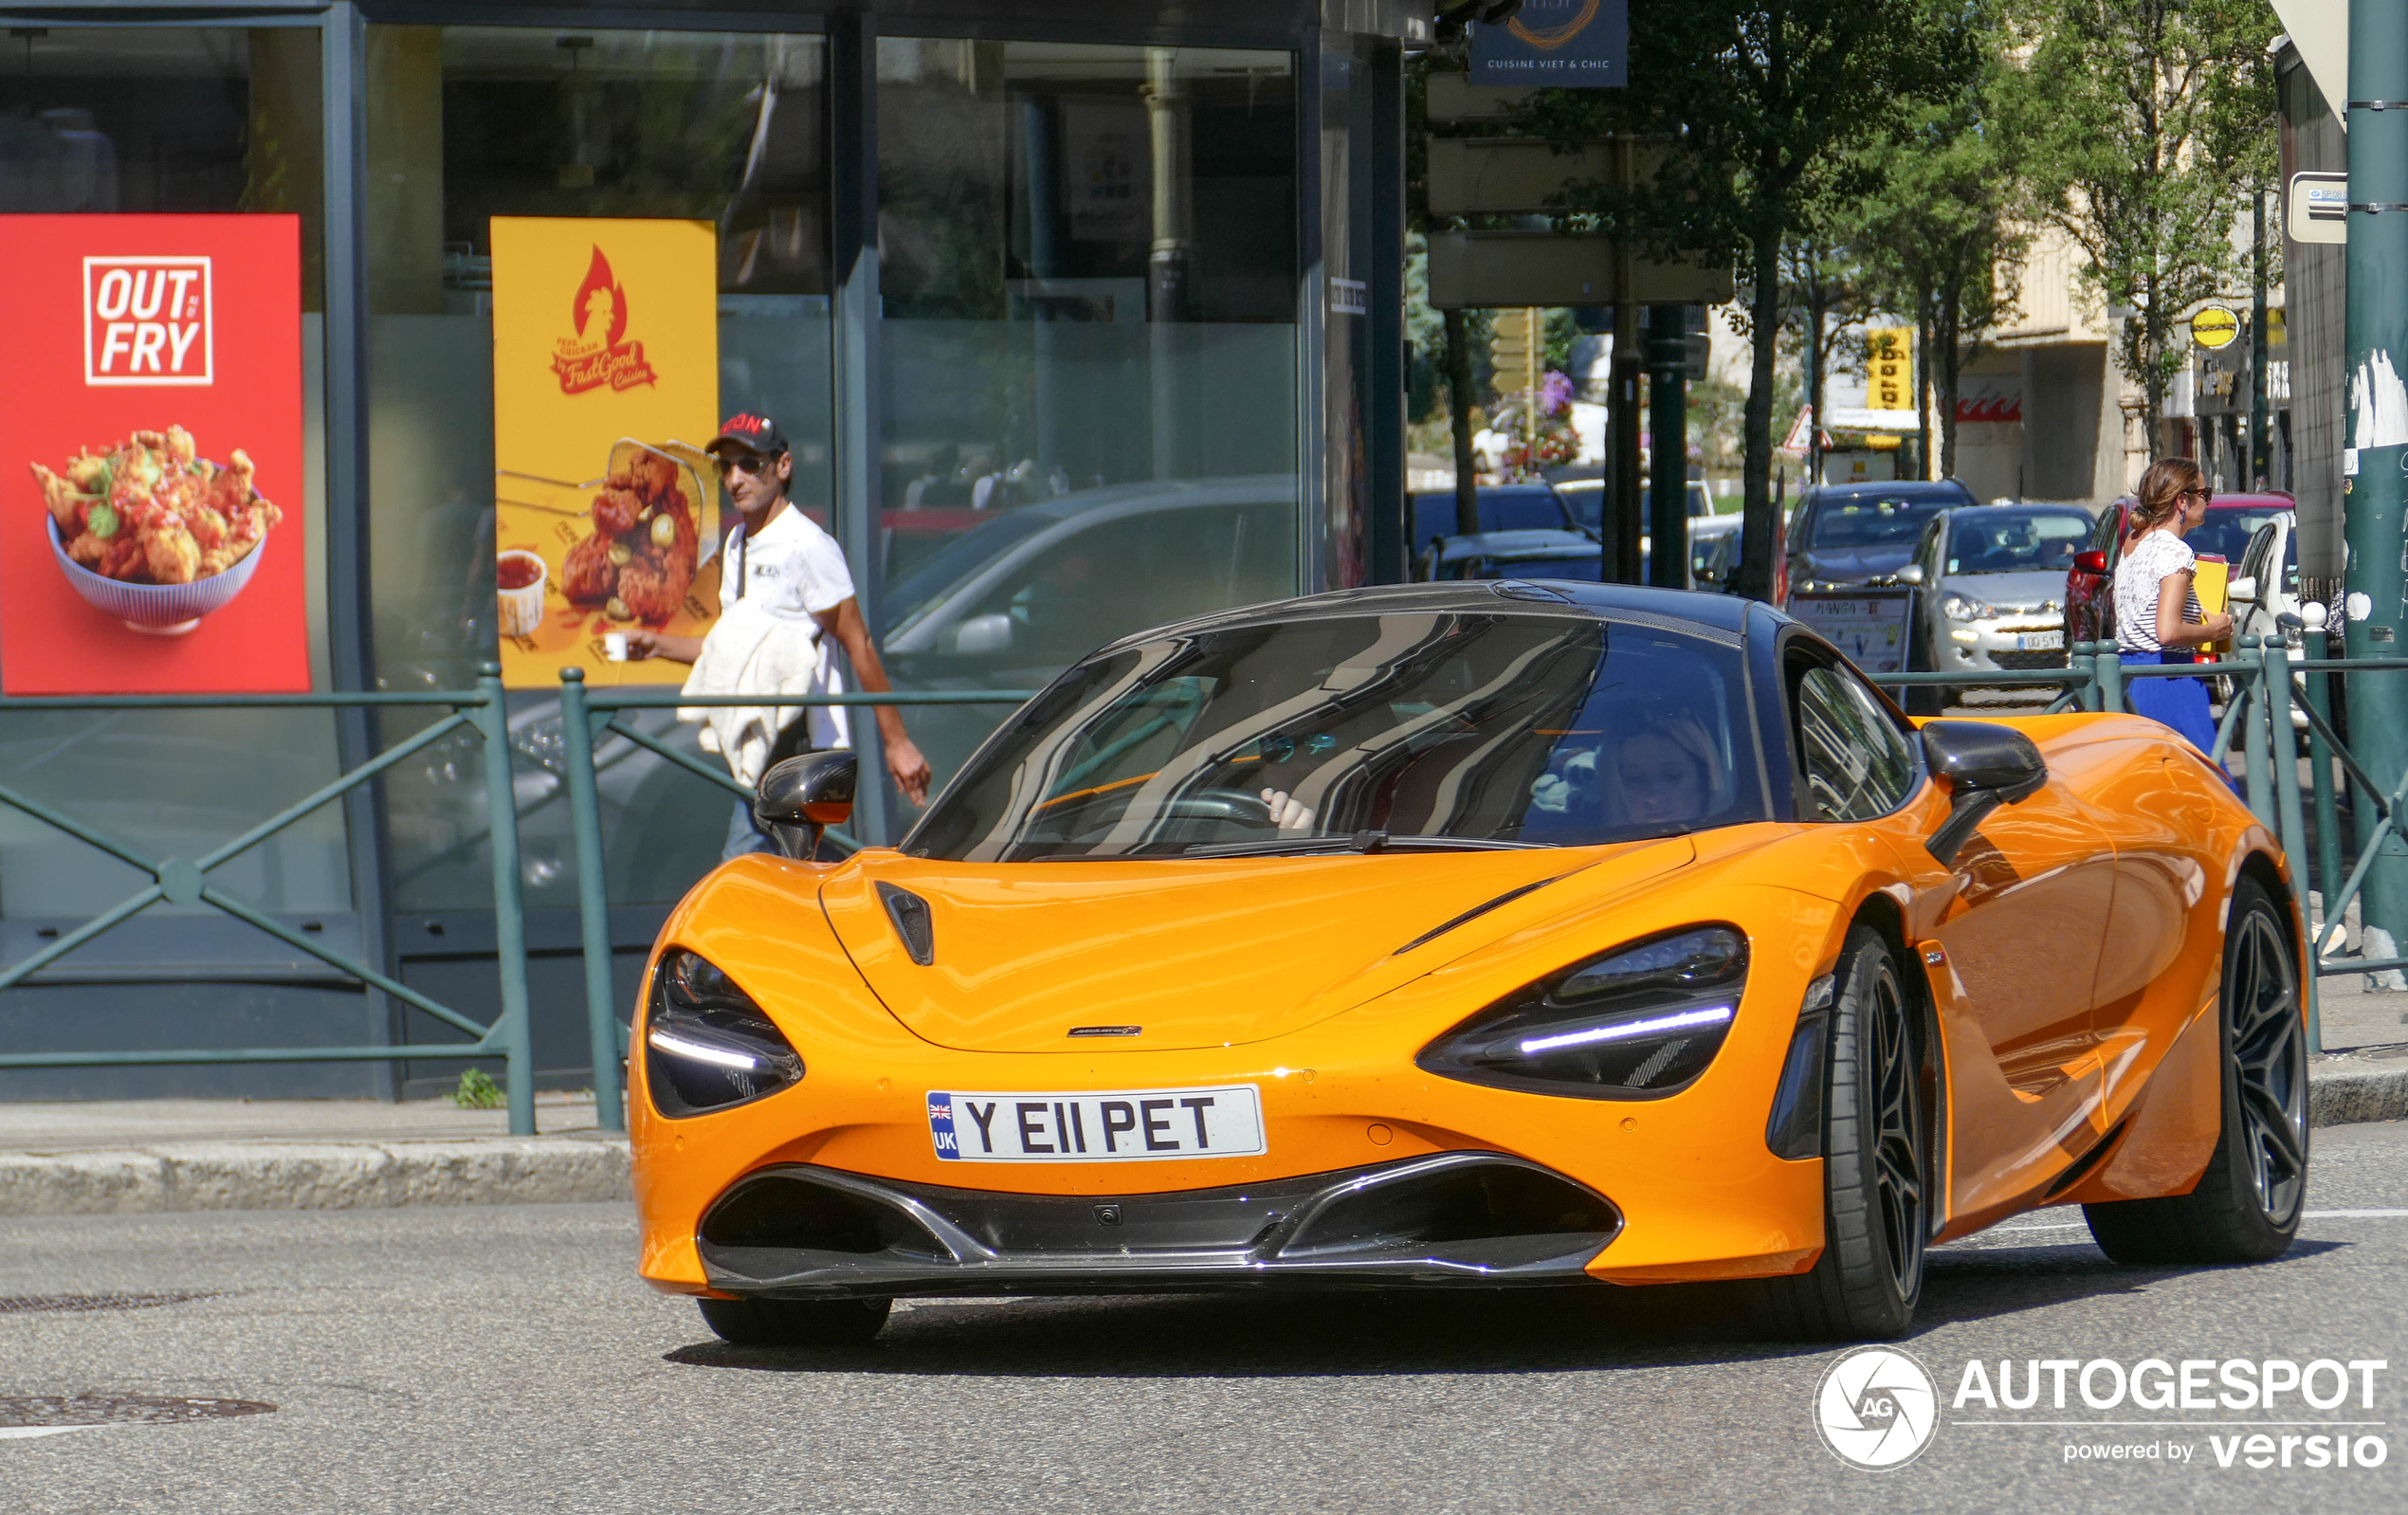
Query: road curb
(2344,1093)
(314,1176)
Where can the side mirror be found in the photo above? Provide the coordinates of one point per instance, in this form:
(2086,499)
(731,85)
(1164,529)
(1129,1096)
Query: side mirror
(2093,562)
(2243,588)
(983,635)
(1984,767)
(1912,573)
(802,796)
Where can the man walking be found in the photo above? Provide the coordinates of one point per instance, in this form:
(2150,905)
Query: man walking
(783,565)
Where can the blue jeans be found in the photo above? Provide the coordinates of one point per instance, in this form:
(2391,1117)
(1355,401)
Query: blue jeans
(745,835)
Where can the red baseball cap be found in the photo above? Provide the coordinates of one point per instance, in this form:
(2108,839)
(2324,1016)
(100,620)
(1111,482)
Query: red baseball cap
(751,429)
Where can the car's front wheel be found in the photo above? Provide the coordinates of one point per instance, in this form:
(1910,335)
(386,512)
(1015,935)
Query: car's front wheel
(794,1323)
(2246,1206)
(1876,1173)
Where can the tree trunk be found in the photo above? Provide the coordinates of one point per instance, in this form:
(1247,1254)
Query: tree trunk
(1756,569)
(1818,377)
(1923,328)
(1459,408)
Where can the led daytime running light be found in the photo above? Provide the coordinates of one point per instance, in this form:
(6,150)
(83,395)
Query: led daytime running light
(676,1045)
(1713,1016)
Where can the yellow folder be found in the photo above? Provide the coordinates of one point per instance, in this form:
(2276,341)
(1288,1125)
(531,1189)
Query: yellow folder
(2209,580)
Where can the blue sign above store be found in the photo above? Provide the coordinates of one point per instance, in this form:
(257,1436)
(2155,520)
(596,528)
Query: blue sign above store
(1557,43)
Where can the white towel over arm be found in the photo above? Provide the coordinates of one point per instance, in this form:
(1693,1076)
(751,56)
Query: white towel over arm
(751,652)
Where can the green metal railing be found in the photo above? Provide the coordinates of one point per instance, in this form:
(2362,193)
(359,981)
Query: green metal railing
(587,715)
(184,882)
(2266,684)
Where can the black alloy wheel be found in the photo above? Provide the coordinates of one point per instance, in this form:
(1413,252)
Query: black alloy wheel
(1876,1165)
(2246,1206)
(794,1323)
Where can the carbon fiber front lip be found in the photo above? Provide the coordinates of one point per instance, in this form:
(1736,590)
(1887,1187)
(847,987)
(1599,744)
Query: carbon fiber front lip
(1300,1233)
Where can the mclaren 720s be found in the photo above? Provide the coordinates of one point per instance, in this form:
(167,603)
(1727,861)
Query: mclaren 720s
(1475,935)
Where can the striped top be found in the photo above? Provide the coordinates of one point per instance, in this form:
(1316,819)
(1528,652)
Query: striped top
(2157,554)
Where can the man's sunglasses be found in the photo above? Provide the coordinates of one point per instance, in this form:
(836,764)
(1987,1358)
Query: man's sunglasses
(752,462)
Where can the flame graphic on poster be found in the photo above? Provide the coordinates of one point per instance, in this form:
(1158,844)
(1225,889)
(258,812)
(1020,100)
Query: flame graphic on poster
(596,355)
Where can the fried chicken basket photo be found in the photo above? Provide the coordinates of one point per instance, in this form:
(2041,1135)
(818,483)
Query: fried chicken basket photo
(626,549)
(148,531)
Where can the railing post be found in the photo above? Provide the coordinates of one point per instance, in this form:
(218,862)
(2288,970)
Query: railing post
(593,900)
(509,913)
(2083,666)
(2110,666)
(2274,677)
(2251,686)
(2319,756)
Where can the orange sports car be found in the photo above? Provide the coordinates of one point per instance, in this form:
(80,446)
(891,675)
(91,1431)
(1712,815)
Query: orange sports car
(1474,935)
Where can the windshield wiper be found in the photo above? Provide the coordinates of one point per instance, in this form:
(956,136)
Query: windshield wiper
(1365,841)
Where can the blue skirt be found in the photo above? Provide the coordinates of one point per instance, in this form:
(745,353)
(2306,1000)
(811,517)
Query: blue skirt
(2179,702)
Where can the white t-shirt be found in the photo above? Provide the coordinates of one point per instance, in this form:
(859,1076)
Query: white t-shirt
(2154,557)
(796,570)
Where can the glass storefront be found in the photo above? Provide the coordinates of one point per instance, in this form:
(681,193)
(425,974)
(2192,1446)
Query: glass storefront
(1088,353)
(1060,307)
(178,119)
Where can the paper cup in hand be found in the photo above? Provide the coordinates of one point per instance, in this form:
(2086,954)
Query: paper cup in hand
(521,576)
(614,645)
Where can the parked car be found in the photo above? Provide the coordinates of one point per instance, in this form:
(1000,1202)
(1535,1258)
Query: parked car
(2089,609)
(1587,498)
(1503,508)
(1714,543)
(1846,534)
(1990,578)
(2265,582)
(1513,555)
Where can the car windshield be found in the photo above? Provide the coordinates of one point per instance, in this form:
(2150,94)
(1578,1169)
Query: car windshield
(1868,521)
(1408,730)
(2014,541)
(2226,533)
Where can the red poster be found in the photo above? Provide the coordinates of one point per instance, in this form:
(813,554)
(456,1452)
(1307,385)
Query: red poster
(150,466)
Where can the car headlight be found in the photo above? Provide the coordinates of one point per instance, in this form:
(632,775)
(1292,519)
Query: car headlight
(1961,607)
(1636,1023)
(706,1045)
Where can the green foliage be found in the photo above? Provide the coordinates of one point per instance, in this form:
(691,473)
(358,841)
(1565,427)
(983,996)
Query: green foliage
(1774,106)
(477,1091)
(2150,124)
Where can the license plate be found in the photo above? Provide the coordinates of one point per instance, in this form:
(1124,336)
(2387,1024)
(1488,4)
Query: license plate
(2040,642)
(1117,1125)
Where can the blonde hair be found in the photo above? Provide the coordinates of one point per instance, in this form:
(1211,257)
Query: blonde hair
(2159,498)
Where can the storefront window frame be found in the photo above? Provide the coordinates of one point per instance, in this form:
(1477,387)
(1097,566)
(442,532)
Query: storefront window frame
(1301,30)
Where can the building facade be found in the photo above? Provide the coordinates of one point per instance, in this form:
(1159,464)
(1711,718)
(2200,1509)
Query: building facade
(995,266)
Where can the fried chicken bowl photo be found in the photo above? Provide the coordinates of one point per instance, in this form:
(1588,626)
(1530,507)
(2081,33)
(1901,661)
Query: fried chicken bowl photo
(152,534)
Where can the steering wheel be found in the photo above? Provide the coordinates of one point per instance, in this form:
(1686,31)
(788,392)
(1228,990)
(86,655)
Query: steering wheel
(1233,805)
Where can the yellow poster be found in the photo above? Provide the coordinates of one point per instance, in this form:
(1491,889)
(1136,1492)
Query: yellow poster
(1889,368)
(605,389)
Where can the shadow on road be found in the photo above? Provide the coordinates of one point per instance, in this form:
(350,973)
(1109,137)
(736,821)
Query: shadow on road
(1405,1331)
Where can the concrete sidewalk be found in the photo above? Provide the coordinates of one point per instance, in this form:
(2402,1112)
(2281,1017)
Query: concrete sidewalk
(143,1157)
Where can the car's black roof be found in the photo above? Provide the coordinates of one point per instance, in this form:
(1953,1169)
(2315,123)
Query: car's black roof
(1894,489)
(1723,613)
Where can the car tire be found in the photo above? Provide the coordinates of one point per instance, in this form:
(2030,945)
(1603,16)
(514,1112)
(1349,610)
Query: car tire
(1876,1165)
(2246,1206)
(794,1323)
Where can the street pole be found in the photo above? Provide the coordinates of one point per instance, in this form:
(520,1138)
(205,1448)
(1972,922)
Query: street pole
(1626,371)
(2375,429)
(2260,451)
(1668,431)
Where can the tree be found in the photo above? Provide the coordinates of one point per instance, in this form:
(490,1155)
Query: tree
(1942,237)
(1819,296)
(2148,120)
(1773,105)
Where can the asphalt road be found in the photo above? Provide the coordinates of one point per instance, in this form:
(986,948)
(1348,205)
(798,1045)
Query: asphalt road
(507,1359)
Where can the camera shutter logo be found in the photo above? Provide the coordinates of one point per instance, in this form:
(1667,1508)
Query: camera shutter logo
(146,321)
(1877,1408)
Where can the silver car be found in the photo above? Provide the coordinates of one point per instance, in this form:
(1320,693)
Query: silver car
(1990,582)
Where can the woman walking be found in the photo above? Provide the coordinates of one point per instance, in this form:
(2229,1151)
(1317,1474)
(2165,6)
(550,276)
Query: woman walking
(2156,615)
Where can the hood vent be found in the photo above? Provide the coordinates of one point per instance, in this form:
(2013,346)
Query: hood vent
(909,913)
